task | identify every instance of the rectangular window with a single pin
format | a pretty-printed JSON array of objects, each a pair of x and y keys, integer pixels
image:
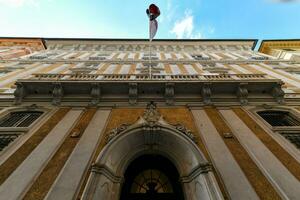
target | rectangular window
[
  {"x": 201, "y": 57},
  {"x": 19, "y": 119},
  {"x": 279, "y": 118},
  {"x": 294, "y": 138},
  {"x": 6, "y": 139}
]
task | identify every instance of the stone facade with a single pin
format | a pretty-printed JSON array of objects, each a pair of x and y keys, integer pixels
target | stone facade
[{"x": 76, "y": 113}]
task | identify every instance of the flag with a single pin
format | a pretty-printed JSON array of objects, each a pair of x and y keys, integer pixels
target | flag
[
  {"x": 153, "y": 28},
  {"x": 153, "y": 12}
]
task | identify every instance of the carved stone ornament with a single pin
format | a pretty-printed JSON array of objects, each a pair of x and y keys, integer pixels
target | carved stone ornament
[
  {"x": 169, "y": 93},
  {"x": 206, "y": 93},
  {"x": 278, "y": 93},
  {"x": 186, "y": 131},
  {"x": 19, "y": 93},
  {"x": 150, "y": 121},
  {"x": 133, "y": 93},
  {"x": 95, "y": 93},
  {"x": 242, "y": 93},
  {"x": 57, "y": 93},
  {"x": 151, "y": 115},
  {"x": 116, "y": 131}
]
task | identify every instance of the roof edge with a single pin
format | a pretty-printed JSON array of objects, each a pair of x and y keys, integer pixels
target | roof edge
[
  {"x": 138, "y": 39},
  {"x": 275, "y": 40}
]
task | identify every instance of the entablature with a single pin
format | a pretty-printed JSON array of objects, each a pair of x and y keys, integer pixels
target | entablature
[
  {"x": 130, "y": 61},
  {"x": 238, "y": 88},
  {"x": 142, "y": 44}
]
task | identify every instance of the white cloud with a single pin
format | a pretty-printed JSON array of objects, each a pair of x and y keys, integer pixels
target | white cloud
[{"x": 184, "y": 28}]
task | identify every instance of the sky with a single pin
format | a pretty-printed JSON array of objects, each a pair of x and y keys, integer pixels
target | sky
[{"x": 188, "y": 19}]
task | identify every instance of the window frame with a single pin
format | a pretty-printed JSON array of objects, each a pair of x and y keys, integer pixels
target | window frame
[
  {"x": 276, "y": 132},
  {"x": 21, "y": 120},
  {"x": 280, "y": 128},
  {"x": 22, "y": 131}
]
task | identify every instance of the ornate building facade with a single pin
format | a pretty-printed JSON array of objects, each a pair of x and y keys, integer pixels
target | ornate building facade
[{"x": 112, "y": 119}]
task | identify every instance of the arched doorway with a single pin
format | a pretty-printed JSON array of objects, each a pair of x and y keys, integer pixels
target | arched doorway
[
  {"x": 151, "y": 177},
  {"x": 151, "y": 145}
]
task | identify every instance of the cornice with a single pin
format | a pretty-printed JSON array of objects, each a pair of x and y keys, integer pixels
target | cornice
[
  {"x": 208, "y": 89},
  {"x": 267, "y": 45},
  {"x": 131, "y": 61},
  {"x": 34, "y": 43}
]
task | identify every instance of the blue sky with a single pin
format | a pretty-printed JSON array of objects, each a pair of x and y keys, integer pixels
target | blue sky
[{"x": 199, "y": 19}]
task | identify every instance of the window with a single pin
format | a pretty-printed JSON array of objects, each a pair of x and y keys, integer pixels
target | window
[
  {"x": 151, "y": 177},
  {"x": 201, "y": 57},
  {"x": 294, "y": 138},
  {"x": 279, "y": 118},
  {"x": 6, "y": 139},
  {"x": 259, "y": 58},
  {"x": 151, "y": 181},
  {"x": 38, "y": 57},
  {"x": 147, "y": 56},
  {"x": 20, "y": 119},
  {"x": 97, "y": 58}
]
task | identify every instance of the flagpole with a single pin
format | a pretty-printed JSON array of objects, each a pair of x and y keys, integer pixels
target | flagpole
[
  {"x": 153, "y": 12},
  {"x": 150, "y": 69}
]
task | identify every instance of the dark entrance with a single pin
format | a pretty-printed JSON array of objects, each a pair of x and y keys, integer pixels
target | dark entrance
[{"x": 151, "y": 177}]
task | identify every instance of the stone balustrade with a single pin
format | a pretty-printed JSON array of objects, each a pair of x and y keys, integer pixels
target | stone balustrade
[{"x": 145, "y": 77}]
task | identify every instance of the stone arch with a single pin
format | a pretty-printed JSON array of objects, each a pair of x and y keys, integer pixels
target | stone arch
[{"x": 151, "y": 136}]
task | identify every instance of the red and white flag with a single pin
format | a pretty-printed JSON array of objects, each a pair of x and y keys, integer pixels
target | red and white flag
[{"x": 153, "y": 12}]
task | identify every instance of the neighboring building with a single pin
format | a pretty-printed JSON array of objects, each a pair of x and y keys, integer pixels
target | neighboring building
[
  {"x": 98, "y": 119},
  {"x": 284, "y": 50},
  {"x": 281, "y": 49},
  {"x": 14, "y": 48}
]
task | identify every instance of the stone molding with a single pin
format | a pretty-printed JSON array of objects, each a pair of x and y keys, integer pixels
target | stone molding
[
  {"x": 102, "y": 169},
  {"x": 202, "y": 168}
]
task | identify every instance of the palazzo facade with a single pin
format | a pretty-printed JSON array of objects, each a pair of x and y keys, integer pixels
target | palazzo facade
[{"x": 123, "y": 119}]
